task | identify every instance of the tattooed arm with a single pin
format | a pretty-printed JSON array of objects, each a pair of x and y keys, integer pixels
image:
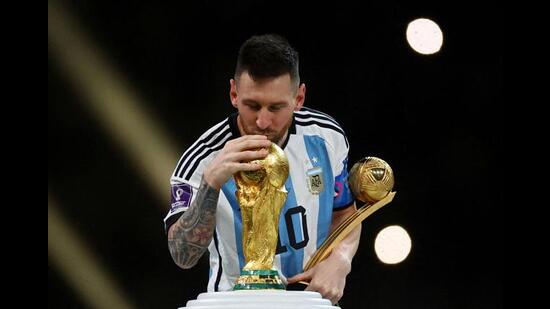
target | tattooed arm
[{"x": 189, "y": 237}]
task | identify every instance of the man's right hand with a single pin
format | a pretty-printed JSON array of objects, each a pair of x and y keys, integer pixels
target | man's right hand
[{"x": 234, "y": 157}]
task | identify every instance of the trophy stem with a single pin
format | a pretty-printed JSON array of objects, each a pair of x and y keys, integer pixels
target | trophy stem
[{"x": 344, "y": 229}]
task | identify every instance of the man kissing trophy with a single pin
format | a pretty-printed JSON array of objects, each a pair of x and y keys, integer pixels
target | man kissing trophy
[{"x": 261, "y": 195}]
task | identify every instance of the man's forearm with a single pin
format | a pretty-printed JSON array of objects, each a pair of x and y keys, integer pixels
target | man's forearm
[
  {"x": 189, "y": 237},
  {"x": 347, "y": 248}
]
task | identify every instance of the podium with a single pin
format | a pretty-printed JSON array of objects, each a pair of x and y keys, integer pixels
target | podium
[{"x": 261, "y": 299}]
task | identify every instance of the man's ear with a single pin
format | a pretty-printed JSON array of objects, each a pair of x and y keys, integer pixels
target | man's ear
[
  {"x": 233, "y": 92},
  {"x": 300, "y": 97}
]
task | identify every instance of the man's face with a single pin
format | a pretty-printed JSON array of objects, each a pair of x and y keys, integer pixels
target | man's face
[{"x": 266, "y": 106}]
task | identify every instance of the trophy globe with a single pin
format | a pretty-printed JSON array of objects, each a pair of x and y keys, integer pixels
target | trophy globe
[{"x": 371, "y": 179}]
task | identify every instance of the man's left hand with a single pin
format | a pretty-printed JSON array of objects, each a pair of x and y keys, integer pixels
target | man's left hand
[{"x": 328, "y": 277}]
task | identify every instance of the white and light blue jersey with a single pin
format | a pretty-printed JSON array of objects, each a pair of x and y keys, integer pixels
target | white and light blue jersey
[{"x": 317, "y": 151}]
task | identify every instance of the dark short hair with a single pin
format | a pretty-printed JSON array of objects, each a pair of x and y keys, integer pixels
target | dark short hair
[{"x": 268, "y": 55}]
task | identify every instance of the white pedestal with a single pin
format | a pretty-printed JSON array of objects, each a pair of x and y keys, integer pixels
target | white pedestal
[{"x": 262, "y": 299}]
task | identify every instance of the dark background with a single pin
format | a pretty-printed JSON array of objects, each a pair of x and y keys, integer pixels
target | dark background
[{"x": 431, "y": 117}]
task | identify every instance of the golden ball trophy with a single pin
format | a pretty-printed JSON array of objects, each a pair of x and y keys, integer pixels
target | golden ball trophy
[
  {"x": 371, "y": 181},
  {"x": 261, "y": 195}
]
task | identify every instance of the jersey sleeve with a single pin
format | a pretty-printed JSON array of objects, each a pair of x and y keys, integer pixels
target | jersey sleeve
[
  {"x": 343, "y": 197},
  {"x": 186, "y": 178},
  {"x": 181, "y": 196}
]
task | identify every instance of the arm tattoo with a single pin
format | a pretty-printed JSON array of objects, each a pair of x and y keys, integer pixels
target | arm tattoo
[{"x": 189, "y": 237}]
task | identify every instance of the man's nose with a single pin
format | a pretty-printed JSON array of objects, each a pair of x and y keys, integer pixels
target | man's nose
[{"x": 264, "y": 119}]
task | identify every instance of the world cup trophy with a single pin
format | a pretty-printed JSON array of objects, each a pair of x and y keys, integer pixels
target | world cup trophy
[
  {"x": 261, "y": 195},
  {"x": 371, "y": 181}
]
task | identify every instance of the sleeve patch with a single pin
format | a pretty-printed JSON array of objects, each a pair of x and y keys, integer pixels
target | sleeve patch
[{"x": 180, "y": 197}]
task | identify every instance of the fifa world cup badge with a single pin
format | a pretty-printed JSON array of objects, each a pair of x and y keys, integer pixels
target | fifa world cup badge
[{"x": 315, "y": 180}]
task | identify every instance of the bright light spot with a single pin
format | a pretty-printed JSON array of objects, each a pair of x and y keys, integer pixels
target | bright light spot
[
  {"x": 424, "y": 36},
  {"x": 392, "y": 244}
]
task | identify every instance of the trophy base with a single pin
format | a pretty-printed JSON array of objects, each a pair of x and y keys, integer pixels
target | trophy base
[
  {"x": 264, "y": 299},
  {"x": 264, "y": 279}
]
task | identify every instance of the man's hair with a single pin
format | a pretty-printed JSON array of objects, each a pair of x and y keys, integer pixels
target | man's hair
[{"x": 266, "y": 56}]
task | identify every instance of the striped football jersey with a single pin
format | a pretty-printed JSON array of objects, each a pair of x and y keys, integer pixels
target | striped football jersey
[{"x": 317, "y": 151}]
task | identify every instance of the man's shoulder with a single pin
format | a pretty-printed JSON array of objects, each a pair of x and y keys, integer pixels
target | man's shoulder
[
  {"x": 220, "y": 128},
  {"x": 204, "y": 147},
  {"x": 311, "y": 121},
  {"x": 221, "y": 132},
  {"x": 308, "y": 112}
]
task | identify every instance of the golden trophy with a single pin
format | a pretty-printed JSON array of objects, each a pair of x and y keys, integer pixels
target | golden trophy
[
  {"x": 261, "y": 195},
  {"x": 371, "y": 181}
]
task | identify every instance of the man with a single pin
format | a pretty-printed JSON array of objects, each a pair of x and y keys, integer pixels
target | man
[{"x": 267, "y": 93}]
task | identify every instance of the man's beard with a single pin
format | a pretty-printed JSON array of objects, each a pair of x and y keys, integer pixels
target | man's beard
[{"x": 273, "y": 136}]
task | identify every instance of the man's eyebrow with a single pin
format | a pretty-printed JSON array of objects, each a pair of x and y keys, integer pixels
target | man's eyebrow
[{"x": 277, "y": 104}]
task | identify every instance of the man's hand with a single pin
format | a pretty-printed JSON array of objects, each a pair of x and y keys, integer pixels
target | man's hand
[
  {"x": 234, "y": 157},
  {"x": 328, "y": 277}
]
